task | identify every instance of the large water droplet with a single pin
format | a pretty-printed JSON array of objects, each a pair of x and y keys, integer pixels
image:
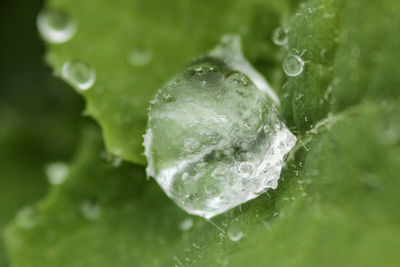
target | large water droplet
[
  {"x": 55, "y": 26},
  {"x": 280, "y": 36},
  {"x": 293, "y": 65},
  {"x": 79, "y": 74},
  {"x": 27, "y": 218},
  {"x": 90, "y": 209},
  {"x": 139, "y": 56},
  {"x": 56, "y": 172},
  {"x": 208, "y": 150}
]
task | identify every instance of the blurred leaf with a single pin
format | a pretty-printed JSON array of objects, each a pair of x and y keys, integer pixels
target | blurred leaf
[{"x": 39, "y": 114}]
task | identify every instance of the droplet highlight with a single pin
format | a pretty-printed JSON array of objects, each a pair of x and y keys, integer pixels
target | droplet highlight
[
  {"x": 293, "y": 65},
  {"x": 55, "y": 26},
  {"x": 56, "y": 172},
  {"x": 79, "y": 74}
]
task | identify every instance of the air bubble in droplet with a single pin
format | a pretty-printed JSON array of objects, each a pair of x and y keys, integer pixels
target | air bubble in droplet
[
  {"x": 234, "y": 233},
  {"x": 27, "y": 218},
  {"x": 56, "y": 172},
  {"x": 55, "y": 26},
  {"x": 293, "y": 65},
  {"x": 90, "y": 209},
  {"x": 186, "y": 224},
  {"x": 79, "y": 74},
  {"x": 139, "y": 56},
  {"x": 280, "y": 36},
  {"x": 245, "y": 169}
]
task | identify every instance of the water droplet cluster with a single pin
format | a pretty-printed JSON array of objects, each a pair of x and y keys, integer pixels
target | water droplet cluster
[
  {"x": 57, "y": 27},
  {"x": 215, "y": 146}
]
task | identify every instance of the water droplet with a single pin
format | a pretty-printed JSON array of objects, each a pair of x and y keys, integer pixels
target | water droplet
[
  {"x": 293, "y": 65},
  {"x": 90, "y": 209},
  {"x": 234, "y": 233},
  {"x": 201, "y": 149},
  {"x": 27, "y": 218},
  {"x": 186, "y": 224},
  {"x": 55, "y": 26},
  {"x": 139, "y": 56},
  {"x": 79, "y": 74},
  {"x": 280, "y": 36},
  {"x": 56, "y": 172}
]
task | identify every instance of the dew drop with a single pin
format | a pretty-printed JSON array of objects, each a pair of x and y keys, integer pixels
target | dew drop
[
  {"x": 293, "y": 65},
  {"x": 139, "y": 56},
  {"x": 55, "y": 26},
  {"x": 234, "y": 233},
  {"x": 280, "y": 36},
  {"x": 90, "y": 209},
  {"x": 202, "y": 149},
  {"x": 56, "y": 172},
  {"x": 79, "y": 74},
  {"x": 186, "y": 224},
  {"x": 27, "y": 218}
]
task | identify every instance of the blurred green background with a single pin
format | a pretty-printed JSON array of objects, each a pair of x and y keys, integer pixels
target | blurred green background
[{"x": 39, "y": 113}]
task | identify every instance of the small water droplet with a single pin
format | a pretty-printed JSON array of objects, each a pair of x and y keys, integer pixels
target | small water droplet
[
  {"x": 90, "y": 210},
  {"x": 27, "y": 218},
  {"x": 139, "y": 56},
  {"x": 55, "y": 26},
  {"x": 186, "y": 224},
  {"x": 280, "y": 36},
  {"x": 293, "y": 65},
  {"x": 234, "y": 233},
  {"x": 56, "y": 172},
  {"x": 198, "y": 69},
  {"x": 79, "y": 74}
]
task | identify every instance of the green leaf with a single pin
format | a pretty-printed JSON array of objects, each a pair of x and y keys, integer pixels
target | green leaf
[
  {"x": 174, "y": 32},
  {"x": 337, "y": 200},
  {"x": 316, "y": 215}
]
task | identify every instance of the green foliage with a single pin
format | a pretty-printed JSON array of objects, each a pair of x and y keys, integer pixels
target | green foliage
[{"x": 337, "y": 200}]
